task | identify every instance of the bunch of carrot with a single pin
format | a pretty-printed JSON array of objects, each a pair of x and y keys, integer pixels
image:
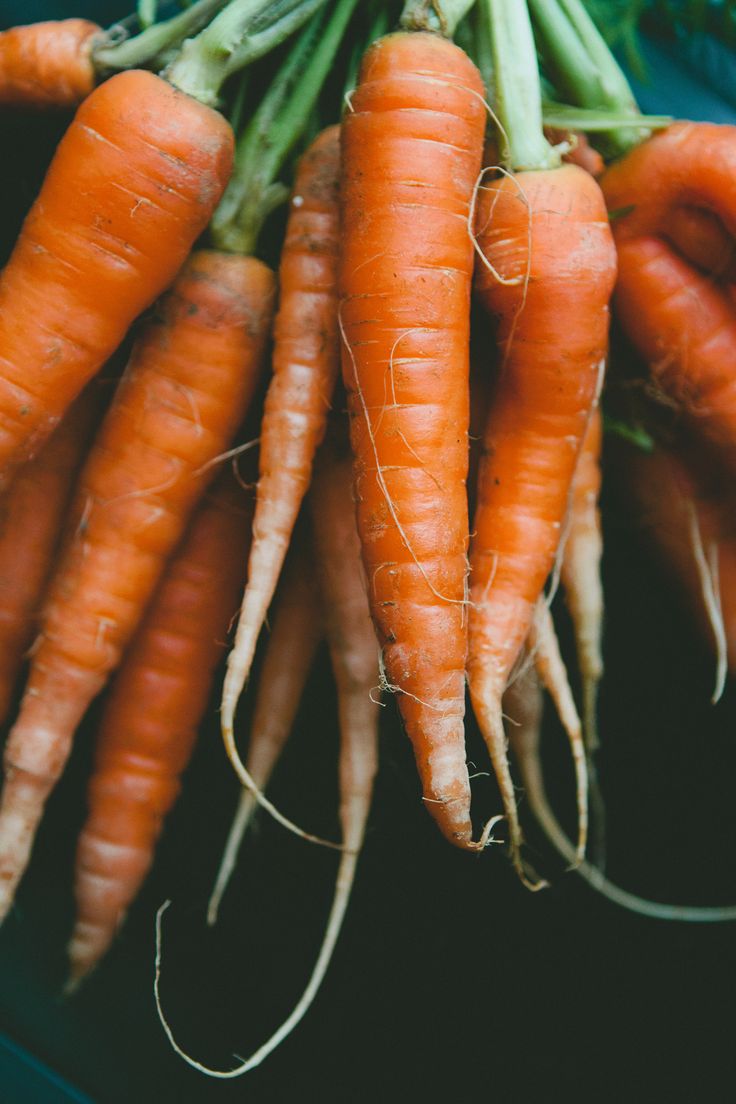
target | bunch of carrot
[{"x": 125, "y": 536}]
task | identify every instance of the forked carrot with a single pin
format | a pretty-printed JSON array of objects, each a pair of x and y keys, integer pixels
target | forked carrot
[
  {"x": 32, "y": 515},
  {"x": 292, "y": 643},
  {"x": 412, "y": 143},
  {"x": 191, "y": 378},
  {"x": 149, "y": 725},
  {"x": 354, "y": 653},
  {"x": 47, "y": 64}
]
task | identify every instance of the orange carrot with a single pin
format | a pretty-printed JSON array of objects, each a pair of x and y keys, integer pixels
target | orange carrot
[
  {"x": 187, "y": 388},
  {"x": 47, "y": 64},
  {"x": 547, "y": 274},
  {"x": 31, "y": 518},
  {"x": 412, "y": 145},
  {"x": 305, "y": 364},
  {"x": 149, "y": 726},
  {"x": 292, "y": 644},
  {"x": 132, "y": 185},
  {"x": 681, "y": 319}
]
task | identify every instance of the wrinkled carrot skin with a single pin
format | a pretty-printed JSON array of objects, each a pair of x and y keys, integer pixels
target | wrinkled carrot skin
[
  {"x": 132, "y": 185},
  {"x": 412, "y": 147},
  {"x": 149, "y": 725},
  {"x": 305, "y": 367},
  {"x": 32, "y": 515},
  {"x": 187, "y": 388},
  {"x": 47, "y": 65},
  {"x": 681, "y": 320},
  {"x": 548, "y": 232}
]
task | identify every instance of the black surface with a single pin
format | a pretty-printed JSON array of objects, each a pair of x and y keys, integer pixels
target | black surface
[{"x": 450, "y": 981}]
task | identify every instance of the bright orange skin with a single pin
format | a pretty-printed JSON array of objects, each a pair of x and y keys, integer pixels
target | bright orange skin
[
  {"x": 47, "y": 64},
  {"x": 681, "y": 320},
  {"x": 412, "y": 147},
  {"x": 32, "y": 514},
  {"x": 186, "y": 390},
  {"x": 149, "y": 726},
  {"x": 131, "y": 187},
  {"x": 305, "y": 365},
  {"x": 553, "y": 334}
]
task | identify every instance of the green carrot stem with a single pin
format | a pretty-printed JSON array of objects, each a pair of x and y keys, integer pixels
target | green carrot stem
[
  {"x": 576, "y": 74},
  {"x": 147, "y": 12},
  {"x": 144, "y": 48},
  {"x": 376, "y": 29},
  {"x": 277, "y": 125},
  {"x": 483, "y": 51},
  {"x": 517, "y": 88},
  {"x": 435, "y": 15}
]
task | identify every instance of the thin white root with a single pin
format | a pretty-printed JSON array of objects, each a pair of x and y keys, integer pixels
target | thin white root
[
  {"x": 551, "y": 668},
  {"x": 238, "y": 828},
  {"x": 707, "y": 567}
]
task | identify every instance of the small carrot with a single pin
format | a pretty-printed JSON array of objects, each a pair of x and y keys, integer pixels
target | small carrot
[
  {"x": 132, "y": 185},
  {"x": 32, "y": 513},
  {"x": 354, "y": 654},
  {"x": 547, "y": 271},
  {"x": 47, "y": 64},
  {"x": 149, "y": 725},
  {"x": 305, "y": 366},
  {"x": 292, "y": 643},
  {"x": 186, "y": 390},
  {"x": 412, "y": 144}
]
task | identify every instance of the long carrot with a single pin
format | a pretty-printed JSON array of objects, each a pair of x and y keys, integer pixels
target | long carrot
[
  {"x": 412, "y": 144},
  {"x": 354, "y": 653},
  {"x": 547, "y": 274},
  {"x": 132, "y": 185},
  {"x": 32, "y": 513},
  {"x": 47, "y": 64},
  {"x": 149, "y": 725},
  {"x": 190, "y": 381},
  {"x": 292, "y": 643},
  {"x": 305, "y": 365}
]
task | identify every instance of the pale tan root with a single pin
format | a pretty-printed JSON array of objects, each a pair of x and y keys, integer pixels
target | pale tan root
[
  {"x": 551, "y": 669},
  {"x": 707, "y": 568},
  {"x": 523, "y": 703}
]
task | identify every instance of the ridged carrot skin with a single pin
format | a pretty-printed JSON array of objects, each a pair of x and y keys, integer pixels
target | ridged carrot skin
[
  {"x": 131, "y": 187},
  {"x": 546, "y": 234},
  {"x": 47, "y": 65},
  {"x": 32, "y": 515},
  {"x": 305, "y": 365},
  {"x": 185, "y": 392},
  {"x": 412, "y": 148},
  {"x": 149, "y": 725},
  {"x": 681, "y": 319}
]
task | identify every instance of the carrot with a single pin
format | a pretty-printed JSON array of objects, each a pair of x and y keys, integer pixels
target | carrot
[
  {"x": 354, "y": 654},
  {"x": 187, "y": 388},
  {"x": 31, "y": 519},
  {"x": 292, "y": 644},
  {"x": 149, "y": 725},
  {"x": 412, "y": 145},
  {"x": 47, "y": 64},
  {"x": 681, "y": 320},
  {"x": 131, "y": 186},
  {"x": 305, "y": 365},
  {"x": 523, "y": 705},
  {"x": 580, "y": 572},
  {"x": 547, "y": 274}
]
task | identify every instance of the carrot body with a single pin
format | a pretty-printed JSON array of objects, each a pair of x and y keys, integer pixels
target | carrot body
[
  {"x": 31, "y": 519},
  {"x": 292, "y": 643},
  {"x": 412, "y": 147},
  {"x": 132, "y": 185},
  {"x": 305, "y": 365},
  {"x": 47, "y": 64},
  {"x": 681, "y": 319},
  {"x": 547, "y": 235},
  {"x": 185, "y": 392},
  {"x": 150, "y": 722}
]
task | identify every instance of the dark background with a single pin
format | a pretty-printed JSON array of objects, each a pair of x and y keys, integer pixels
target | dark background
[{"x": 450, "y": 981}]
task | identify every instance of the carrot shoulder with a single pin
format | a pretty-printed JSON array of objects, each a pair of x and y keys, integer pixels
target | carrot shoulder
[
  {"x": 150, "y": 722},
  {"x": 47, "y": 64},
  {"x": 190, "y": 381},
  {"x": 132, "y": 185},
  {"x": 412, "y": 145}
]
